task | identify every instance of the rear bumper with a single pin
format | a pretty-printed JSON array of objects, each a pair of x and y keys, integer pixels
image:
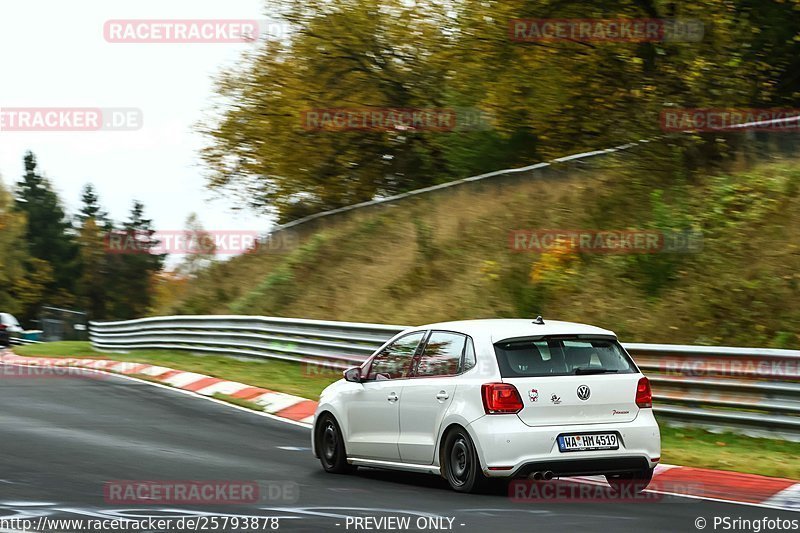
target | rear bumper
[
  {"x": 509, "y": 448},
  {"x": 586, "y": 466}
]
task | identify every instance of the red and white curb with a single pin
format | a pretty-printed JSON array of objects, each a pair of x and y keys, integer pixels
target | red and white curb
[
  {"x": 275, "y": 403},
  {"x": 720, "y": 485},
  {"x": 698, "y": 483}
]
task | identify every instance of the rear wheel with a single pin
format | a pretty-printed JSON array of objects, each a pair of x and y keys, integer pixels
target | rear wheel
[
  {"x": 631, "y": 482},
  {"x": 460, "y": 465},
  {"x": 330, "y": 446}
]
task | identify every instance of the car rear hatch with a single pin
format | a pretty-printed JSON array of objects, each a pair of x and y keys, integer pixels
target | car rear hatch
[{"x": 570, "y": 380}]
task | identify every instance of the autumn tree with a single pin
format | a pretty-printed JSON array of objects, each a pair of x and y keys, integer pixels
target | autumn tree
[
  {"x": 546, "y": 98},
  {"x": 201, "y": 249}
]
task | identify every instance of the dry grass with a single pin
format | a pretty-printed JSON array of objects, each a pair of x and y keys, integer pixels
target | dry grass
[{"x": 446, "y": 256}]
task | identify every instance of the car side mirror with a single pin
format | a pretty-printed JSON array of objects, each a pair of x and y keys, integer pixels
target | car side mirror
[{"x": 353, "y": 374}]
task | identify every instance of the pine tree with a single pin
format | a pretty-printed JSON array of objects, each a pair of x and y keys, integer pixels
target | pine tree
[
  {"x": 92, "y": 286},
  {"x": 132, "y": 272},
  {"x": 90, "y": 206},
  {"x": 49, "y": 235}
]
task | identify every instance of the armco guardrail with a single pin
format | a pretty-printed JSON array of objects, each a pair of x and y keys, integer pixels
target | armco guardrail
[
  {"x": 336, "y": 344},
  {"x": 21, "y": 342},
  {"x": 536, "y": 170},
  {"x": 747, "y": 389}
]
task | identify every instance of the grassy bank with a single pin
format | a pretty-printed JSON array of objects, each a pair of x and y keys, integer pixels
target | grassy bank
[
  {"x": 683, "y": 446},
  {"x": 447, "y": 256}
]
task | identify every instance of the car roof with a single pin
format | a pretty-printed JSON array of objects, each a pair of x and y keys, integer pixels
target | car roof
[{"x": 499, "y": 329}]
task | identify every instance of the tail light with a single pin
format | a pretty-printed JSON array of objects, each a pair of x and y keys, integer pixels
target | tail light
[
  {"x": 501, "y": 398},
  {"x": 644, "y": 396},
  {"x": 2, "y": 327}
]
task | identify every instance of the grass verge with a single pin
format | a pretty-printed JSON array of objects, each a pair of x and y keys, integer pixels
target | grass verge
[
  {"x": 726, "y": 451},
  {"x": 682, "y": 446},
  {"x": 240, "y": 402}
]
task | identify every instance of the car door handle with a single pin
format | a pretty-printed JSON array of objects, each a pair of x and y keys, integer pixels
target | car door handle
[
  {"x": 442, "y": 395},
  {"x": 393, "y": 397}
]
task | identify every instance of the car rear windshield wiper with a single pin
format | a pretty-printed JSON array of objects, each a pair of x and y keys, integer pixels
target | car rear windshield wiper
[{"x": 594, "y": 370}]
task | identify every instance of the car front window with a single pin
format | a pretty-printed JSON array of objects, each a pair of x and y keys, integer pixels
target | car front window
[
  {"x": 394, "y": 361},
  {"x": 442, "y": 354}
]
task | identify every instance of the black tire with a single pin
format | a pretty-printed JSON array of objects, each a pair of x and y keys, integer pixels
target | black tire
[
  {"x": 630, "y": 483},
  {"x": 460, "y": 465},
  {"x": 330, "y": 446}
]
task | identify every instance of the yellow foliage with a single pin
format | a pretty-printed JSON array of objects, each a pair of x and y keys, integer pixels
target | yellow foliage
[{"x": 554, "y": 262}]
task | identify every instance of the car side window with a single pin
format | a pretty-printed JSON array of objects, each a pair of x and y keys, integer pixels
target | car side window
[
  {"x": 442, "y": 354},
  {"x": 394, "y": 361},
  {"x": 469, "y": 356}
]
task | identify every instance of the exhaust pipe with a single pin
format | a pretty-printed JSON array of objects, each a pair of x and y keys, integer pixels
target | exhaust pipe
[
  {"x": 547, "y": 475},
  {"x": 538, "y": 476}
]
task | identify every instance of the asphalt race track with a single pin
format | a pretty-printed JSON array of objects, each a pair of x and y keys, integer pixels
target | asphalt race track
[{"x": 65, "y": 436}]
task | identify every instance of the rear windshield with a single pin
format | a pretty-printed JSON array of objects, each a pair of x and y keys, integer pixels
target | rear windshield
[{"x": 562, "y": 357}]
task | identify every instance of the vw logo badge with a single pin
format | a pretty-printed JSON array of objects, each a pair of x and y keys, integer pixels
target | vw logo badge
[{"x": 584, "y": 392}]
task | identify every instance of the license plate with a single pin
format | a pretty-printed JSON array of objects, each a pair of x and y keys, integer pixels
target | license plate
[{"x": 593, "y": 441}]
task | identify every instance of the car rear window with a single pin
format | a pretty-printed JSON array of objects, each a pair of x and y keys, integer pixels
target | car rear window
[{"x": 562, "y": 357}]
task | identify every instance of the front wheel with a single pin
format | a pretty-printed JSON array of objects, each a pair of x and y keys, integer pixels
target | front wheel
[
  {"x": 460, "y": 465},
  {"x": 330, "y": 446},
  {"x": 630, "y": 483}
]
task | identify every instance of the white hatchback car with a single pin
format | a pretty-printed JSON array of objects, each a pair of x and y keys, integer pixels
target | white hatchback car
[{"x": 481, "y": 399}]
